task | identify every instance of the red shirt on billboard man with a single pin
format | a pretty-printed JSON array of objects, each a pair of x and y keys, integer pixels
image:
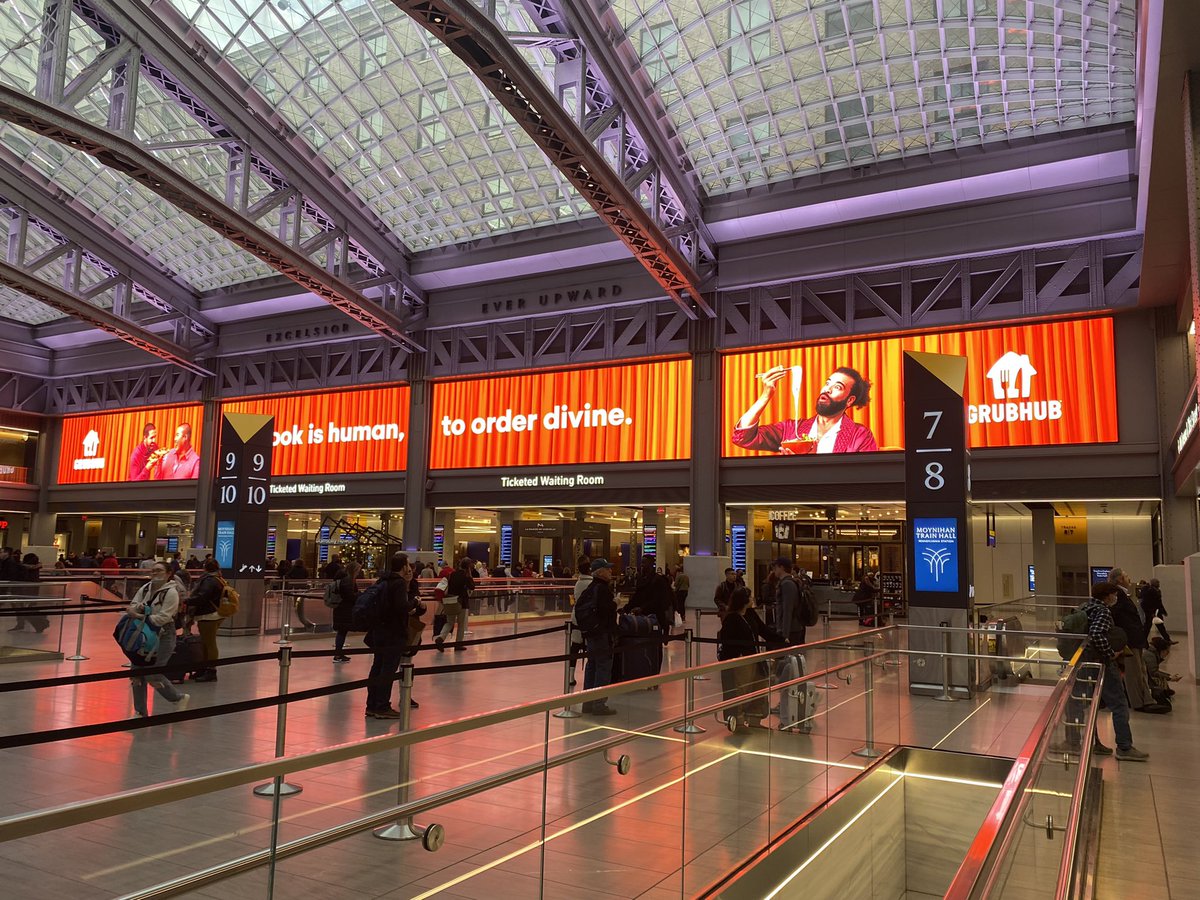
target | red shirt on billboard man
[
  {"x": 143, "y": 462},
  {"x": 182, "y": 461},
  {"x": 831, "y": 430}
]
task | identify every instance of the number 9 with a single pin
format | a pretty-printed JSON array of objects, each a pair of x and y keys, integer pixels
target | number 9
[
  {"x": 259, "y": 462},
  {"x": 230, "y": 460}
]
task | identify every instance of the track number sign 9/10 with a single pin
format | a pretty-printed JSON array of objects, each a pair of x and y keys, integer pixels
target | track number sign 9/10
[{"x": 243, "y": 489}]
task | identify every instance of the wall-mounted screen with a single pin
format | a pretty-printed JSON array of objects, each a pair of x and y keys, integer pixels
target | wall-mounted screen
[
  {"x": 628, "y": 413},
  {"x": 1047, "y": 384},
  {"x": 336, "y": 433},
  {"x": 161, "y": 444}
]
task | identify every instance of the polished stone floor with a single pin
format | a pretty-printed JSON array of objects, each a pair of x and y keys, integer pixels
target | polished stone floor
[{"x": 687, "y": 811}]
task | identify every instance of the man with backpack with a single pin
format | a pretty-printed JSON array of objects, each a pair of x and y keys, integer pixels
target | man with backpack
[
  {"x": 384, "y": 611},
  {"x": 797, "y": 608},
  {"x": 596, "y": 615}
]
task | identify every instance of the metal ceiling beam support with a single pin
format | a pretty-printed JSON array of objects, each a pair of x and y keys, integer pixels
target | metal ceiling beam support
[
  {"x": 68, "y": 222},
  {"x": 481, "y": 44},
  {"x": 143, "y": 167},
  {"x": 611, "y": 70},
  {"x": 73, "y": 305},
  {"x": 162, "y": 47}
]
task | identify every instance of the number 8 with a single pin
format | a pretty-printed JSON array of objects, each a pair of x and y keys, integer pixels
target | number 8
[{"x": 934, "y": 481}]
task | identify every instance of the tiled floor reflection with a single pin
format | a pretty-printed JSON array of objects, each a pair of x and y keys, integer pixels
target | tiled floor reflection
[{"x": 688, "y": 810}]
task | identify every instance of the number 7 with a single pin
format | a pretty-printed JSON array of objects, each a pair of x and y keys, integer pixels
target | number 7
[{"x": 937, "y": 418}]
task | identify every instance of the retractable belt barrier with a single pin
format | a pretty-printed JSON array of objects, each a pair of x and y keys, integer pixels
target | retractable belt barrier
[{"x": 83, "y": 731}]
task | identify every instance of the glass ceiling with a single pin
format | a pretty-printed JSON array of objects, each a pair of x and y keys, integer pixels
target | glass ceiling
[
  {"x": 766, "y": 90},
  {"x": 757, "y": 92},
  {"x": 395, "y": 113}
]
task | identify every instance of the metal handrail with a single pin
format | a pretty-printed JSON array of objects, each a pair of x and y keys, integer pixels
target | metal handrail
[
  {"x": 41, "y": 821},
  {"x": 1066, "y": 870},
  {"x": 335, "y": 833},
  {"x": 1001, "y": 815}
]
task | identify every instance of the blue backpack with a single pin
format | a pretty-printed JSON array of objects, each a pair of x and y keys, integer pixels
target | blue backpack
[
  {"x": 369, "y": 607},
  {"x": 137, "y": 638}
]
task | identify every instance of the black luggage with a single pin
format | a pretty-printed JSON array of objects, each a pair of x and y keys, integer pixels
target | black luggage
[
  {"x": 639, "y": 648},
  {"x": 189, "y": 651}
]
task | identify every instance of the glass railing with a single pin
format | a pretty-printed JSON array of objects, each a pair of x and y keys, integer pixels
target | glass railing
[
  {"x": 32, "y": 619},
  {"x": 1031, "y": 845},
  {"x": 696, "y": 772}
]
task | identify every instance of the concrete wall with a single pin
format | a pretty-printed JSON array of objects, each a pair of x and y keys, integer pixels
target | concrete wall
[{"x": 1124, "y": 541}]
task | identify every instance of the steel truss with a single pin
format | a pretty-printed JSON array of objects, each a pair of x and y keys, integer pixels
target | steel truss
[
  {"x": 151, "y": 386},
  {"x": 578, "y": 144},
  {"x": 24, "y": 393},
  {"x": 312, "y": 367},
  {"x": 598, "y": 335},
  {"x": 613, "y": 115},
  {"x": 1092, "y": 276},
  {"x": 90, "y": 262},
  {"x": 276, "y": 206}
]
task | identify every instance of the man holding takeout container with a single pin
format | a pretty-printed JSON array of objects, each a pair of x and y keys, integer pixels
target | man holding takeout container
[{"x": 831, "y": 430}]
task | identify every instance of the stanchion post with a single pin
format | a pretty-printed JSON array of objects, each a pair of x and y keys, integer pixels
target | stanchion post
[
  {"x": 868, "y": 750},
  {"x": 285, "y": 618},
  {"x": 568, "y": 712},
  {"x": 688, "y": 726},
  {"x": 693, "y": 656},
  {"x": 78, "y": 657},
  {"x": 403, "y": 828},
  {"x": 946, "y": 694},
  {"x": 277, "y": 787}
]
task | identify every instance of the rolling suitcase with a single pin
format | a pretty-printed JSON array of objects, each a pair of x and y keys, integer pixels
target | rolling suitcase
[
  {"x": 639, "y": 648},
  {"x": 797, "y": 703},
  {"x": 737, "y": 682},
  {"x": 189, "y": 651}
]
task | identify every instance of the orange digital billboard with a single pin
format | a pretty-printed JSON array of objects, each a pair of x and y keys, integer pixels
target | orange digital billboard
[
  {"x": 1027, "y": 385},
  {"x": 627, "y": 413},
  {"x": 360, "y": 430},
  {"x": 160, "y": 444}
]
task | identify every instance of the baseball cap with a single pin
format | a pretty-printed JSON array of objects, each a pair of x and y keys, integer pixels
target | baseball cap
[{"x": 601, "y": 563}]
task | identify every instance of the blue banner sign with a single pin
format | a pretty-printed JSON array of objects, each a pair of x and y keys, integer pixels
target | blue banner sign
[
  {"x": 223, "y": 551},
  {"x": 935, "y": 554}
]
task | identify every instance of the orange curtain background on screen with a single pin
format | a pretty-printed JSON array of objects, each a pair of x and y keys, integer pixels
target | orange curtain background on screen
[
  {"x": 319, "y": 439},
  {"x": 1073, "y": 361},
  {"x": 655, "y": 398},
  {"x": 118, "y": 434}
]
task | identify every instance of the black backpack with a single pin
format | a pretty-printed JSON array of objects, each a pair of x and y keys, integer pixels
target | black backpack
[
  {"x": 587, "y": 610},
  {"x": 369, "y": 607},
  {"x": 806, "y": 609}
]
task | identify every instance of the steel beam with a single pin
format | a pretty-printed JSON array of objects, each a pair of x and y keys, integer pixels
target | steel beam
[
  {"x": 132, "y": 161},
  {"x": 25, "y": 190},
  {"x": 480, "y": 43},
  {"x": 172, "y": 54},
  {"x": 611, "y": 69},
  {"x": 72, "y": 305}
]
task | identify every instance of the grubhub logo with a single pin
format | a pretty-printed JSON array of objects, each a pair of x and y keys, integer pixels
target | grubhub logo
[
  {"x": 1011, "y": 378},
  {"x": 91, "y": 446}
]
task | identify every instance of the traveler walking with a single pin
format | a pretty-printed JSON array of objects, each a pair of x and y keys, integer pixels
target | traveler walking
[
  {"x": 157, "y": 601},
  {"x": 456, "y": 605},
  {"x": 682, "y": 585},
  {"x": 343, "y": 613}
]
